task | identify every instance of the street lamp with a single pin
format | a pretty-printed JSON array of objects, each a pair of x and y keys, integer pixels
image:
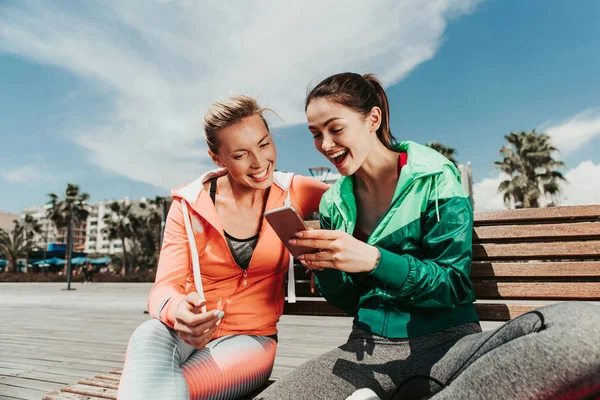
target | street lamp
[
  {"x": 319, "y": 173},
  {"x": 71, "y": 196},
  {"x": 70, "y": 237}
]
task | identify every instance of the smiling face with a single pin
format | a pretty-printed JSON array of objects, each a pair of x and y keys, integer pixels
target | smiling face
[
  {"x": 247, "y": 151},
  {"x": 341, "y": 134}
]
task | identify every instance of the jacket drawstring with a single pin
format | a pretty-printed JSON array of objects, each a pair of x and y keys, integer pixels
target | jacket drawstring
[
  {"x": 193, "y": 251},
  {"x": 291, "y": 286},
  {"x": 437, "y": 195}
]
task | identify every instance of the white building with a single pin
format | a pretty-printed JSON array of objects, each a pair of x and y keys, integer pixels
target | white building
[
  {"x": 96, "y": 241},
  {"x": 89, "y": 237}
]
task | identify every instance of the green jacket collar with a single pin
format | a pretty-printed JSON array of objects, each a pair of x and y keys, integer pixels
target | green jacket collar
[{"x": 422, "y": 162}]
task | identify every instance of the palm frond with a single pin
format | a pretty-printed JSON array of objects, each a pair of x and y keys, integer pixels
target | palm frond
[{"x": 528, "y": 159}]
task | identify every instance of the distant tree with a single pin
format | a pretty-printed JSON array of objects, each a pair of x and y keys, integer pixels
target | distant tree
[
  {"x": 156, "y": 219},
  {"x": 532, "y": 170},
  {"x": 121, "y": 224},
  {"x": 16, "y": 243},
  {"x": 447, "y": 152},
  {"x": 32, "y": 228}
]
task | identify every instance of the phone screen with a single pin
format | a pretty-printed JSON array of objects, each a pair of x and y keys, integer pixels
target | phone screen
[{"x": 286, "y": 221}]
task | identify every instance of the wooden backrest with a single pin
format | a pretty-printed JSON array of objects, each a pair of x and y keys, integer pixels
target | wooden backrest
[{"x": 521, "y": 259}]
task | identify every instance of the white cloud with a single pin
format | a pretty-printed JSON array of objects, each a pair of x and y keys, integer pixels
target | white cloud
[
  {"x": 583, "y": 185},
  {"x": 486, "y": 196},
  {"x": 27, "y": 174},
  {"x": 576, "y": 131},
  {"x": 160, "y": 64},
  {"x": 582, "y": 188}
]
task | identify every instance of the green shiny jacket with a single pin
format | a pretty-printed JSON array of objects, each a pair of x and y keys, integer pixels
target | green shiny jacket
[{"x": 421, "y": 283}]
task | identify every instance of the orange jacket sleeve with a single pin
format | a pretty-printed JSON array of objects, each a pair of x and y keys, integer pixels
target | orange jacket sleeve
[
  {"x": 306, "y": 194},
  {"x": 173, "y": 268}
]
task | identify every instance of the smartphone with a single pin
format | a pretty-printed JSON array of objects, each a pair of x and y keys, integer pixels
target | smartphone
[{"x": 286, "y": 221}]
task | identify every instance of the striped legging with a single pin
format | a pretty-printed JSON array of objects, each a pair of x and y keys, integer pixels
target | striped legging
[{"x": 159, "y": 365}]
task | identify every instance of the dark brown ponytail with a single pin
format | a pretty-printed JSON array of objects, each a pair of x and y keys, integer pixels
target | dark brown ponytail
[{"x": 359, "y": 93}]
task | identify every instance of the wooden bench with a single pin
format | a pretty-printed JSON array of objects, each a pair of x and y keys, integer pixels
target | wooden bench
[{"x": 522, "y": 260}]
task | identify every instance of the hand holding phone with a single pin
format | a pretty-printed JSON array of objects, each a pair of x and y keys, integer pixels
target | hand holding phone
[{"x": 286, "y": 221}]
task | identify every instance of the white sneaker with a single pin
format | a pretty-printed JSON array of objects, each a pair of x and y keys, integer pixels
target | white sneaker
[{"x": 363, "y": 394}]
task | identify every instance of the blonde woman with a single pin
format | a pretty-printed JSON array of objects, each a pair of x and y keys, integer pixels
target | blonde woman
[{"x": 219, "y": 287}]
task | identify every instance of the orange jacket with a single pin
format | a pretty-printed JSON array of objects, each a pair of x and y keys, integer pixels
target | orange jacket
[{"x": 252, "y": 299}]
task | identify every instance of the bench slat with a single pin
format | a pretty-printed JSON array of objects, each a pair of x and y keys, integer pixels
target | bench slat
[
  {"x": 556, "y": 231},
  {"x": 312, "y": 307},
  {"x": 566, "y": 213},
  {"x": 499, "y": 269},
  {"x": 487, "y": 289},
  {"x": 486, "y": 311},
  {"x": 109, "y": 377},
  {"x": 502, "y": 312},
  {"x": 567, "y": 231},
  {"x": 103, "y": 383},
  {"x": 538, "y": 214},
  {"x": 483, "y": 269},
  {"x": 536, "y": 250},
  {"x": 492, "y": 289},
  {"x": 103, "y": 393},
  {"x": 537, "y": 290}
]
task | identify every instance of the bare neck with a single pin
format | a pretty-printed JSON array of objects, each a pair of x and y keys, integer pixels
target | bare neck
[
  {"x": 378, "y": 170},
  {"x": 241, "y": 195}
]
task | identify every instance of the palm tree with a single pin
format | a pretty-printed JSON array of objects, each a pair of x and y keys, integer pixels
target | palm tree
[
  {"x": 121, "y": 224},
  {"x": 16, "y": 244},
  {"x": 532, "y": 171},
  {"x": 156, "y": 218},
  {"x": 144, "y": 246},
  {"x": 66, "y": 213},
  {"x": 447, "y": 152},
  {"x": 32, "y": 228}
]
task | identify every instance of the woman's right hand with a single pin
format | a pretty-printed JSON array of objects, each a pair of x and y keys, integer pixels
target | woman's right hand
[{"x": 194, "y": 326}]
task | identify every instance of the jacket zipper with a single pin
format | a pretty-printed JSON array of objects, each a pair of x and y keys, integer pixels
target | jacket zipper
[
  {"x": 243, "y": 281},
  {"x": 385, "y": 321}
]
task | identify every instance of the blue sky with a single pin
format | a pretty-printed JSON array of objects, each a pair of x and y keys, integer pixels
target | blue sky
[{"x": 109, "y": 96}]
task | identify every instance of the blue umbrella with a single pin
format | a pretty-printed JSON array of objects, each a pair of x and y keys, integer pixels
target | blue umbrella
[
  {"x": 50, "y": 261},
  {"x": 100, "y": 261},
  {"x": 79, "y": 260}
]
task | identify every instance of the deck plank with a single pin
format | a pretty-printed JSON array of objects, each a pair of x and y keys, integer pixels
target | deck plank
[
  {"x": 28, "y": 383},
  {"x": 16, "y": 392}
]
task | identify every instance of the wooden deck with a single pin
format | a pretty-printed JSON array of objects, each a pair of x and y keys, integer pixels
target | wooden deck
[{"x": 50, "y": 337}]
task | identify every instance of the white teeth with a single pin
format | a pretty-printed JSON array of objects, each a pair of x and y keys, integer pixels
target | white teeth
[
  {"x": 261, "y": 175},
  {"x": 339, "y": 153}
]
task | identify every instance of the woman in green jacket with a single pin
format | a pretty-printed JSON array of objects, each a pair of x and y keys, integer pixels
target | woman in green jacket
[{"x": 395, "y": 253}]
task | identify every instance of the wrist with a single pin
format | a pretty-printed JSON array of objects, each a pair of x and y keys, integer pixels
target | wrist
[{"x": 374, "y": 257}]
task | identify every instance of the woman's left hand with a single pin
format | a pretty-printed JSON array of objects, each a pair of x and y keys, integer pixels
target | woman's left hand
[{"x": 337, "y": 250}]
